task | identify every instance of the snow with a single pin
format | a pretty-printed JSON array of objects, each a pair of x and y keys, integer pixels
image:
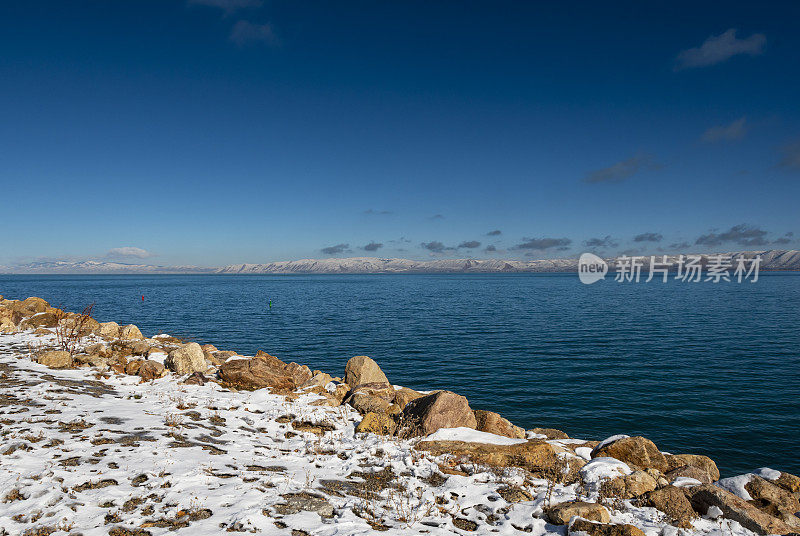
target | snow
[
  {"x": 609, "y": 440},
  {"x": 471, "y": 436},
  {"x": 766, "y": 472},
  {"x": 735, "y": 484},
  {"x": 685, "y": 482}
]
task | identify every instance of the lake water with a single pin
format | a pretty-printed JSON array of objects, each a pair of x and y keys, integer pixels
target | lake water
[{"x": 696, "y": 367}]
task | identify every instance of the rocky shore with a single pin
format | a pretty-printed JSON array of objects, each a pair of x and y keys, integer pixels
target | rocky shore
[{"x": 106, "y": 431}]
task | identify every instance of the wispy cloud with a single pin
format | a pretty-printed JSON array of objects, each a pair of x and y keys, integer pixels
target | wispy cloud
[
  {"x": 791, "y": 156},
  {"x": 246, "y": 33},
  {"x": 129, "y": 252},
  {"x": 605, "y": 242},
  {"x": 648, "y": 237},
  {"x": 335, "y": 250},
  {"x": 496, "y": 232},
  {"x": 469, "y": 244},
  {"x": 742, "y": 235},
  {"x": 436, "y": 217},
  {"x": 733, "y": 131},
  {"x": 622, "y": 170},
  {"x": 372, "y": 246},
  {"x": 542, "y": 244},
  {"x": 490, "y": 248},
  {"x": 373, "y": 212},
  {"x": 679, "y": 246},
  {"x": 719, "y": 48},
  {"x": 229, "y": 6}
]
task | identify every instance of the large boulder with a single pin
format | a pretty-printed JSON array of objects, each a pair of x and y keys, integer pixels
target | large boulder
[
  {"x": 187, "y": 359},
  {"x": 493, "y": 423},
  {"x": 774, "y": 500},
  {"x": 131, "y": 332},
  {"x": 57, "y": 359},
  {"x": 562, "y": 513},
  {"x": 638, "y": 452},
  {"x": 442, "y": 409},
  {"x": 108, "y": 330},
  {"x": 255, "y": 374},
  {"x": 582, "y": 527},
  {"x": 145, "y": 369},
  {"x": 676, "y": 461},
  {"x": 534, "y": 455},
  {"x": 365, "y": 403},
  {"x": 300, "y": 374},
  {"x": 47, "y": 319},
  {"x": 633, "y": 485},
  {"x": 362, "y": 369},
  {"x": 673, "y": 502},
  {"x": 732, "y": 507},
  {"x": 30, "y": 306}
]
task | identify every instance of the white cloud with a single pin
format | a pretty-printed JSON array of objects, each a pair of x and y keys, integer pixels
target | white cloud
[
  {"x": 719, "y": 48},
  {"x": 624, "y": 169},
  {"x": 245, "y": 32},
  {"x": 130, "y": 252},
  {"x": 734, "y": 131}
]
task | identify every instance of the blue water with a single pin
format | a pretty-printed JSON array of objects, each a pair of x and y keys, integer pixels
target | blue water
[{"x": 702, "y": 368}]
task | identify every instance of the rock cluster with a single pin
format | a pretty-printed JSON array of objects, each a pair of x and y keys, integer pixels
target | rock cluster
[{"x": 682, "y": 486}]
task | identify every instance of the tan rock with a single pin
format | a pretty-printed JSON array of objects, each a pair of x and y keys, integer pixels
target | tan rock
[
  {"x": 707, "y": 495},
  {"x": 108, "y": 330},
  {"x": 552, "y": 433},
  {"x": 31, "y": 306},
  {"x": 562, "y": 513},
  {"x": 493, "y": 423},
  {"x": 675, "y": 461},
  {"x": 580, "y": 526},
  {"x": 187, "y": 359},
  {"x": 789, "y": 482},
  {"x": 255, "y": 374},
  {"x": 442, "y": 409},
  {"x": 673, "y": 502},
  {"x": 150, "y": 370},
  {"x": 7, "y": 326},
  {"x": 40, "y": 320},
  {"x": 58, "y": 359},
  {"x": 365, "y": 403},
  {"x": 638, "y": 452},
  {"x": 404, "y": 395},
  {"x": 131, "y": 332},
  {"x": 376, "y": 423},
  {"x": 320, "y": 379},
  {"x": 633, "y": 485},
  {"x": 138, "y": 347},
  {"x": 300, "y": 374},
  {"x": 774, "y": 500},
  {"x": 362, "y": 369},
  {"x": 689, "y": 471},
  {"x": 534, "y": 455}
]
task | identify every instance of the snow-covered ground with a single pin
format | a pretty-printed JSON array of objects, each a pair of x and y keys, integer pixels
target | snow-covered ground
[{"x": 91, "y": 453}]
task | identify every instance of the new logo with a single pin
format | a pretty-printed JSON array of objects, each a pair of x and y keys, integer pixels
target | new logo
[{"x": 591, "y": 268}]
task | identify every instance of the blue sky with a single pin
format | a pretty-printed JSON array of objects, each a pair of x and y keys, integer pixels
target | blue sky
[{"x": 210, "y": 132}]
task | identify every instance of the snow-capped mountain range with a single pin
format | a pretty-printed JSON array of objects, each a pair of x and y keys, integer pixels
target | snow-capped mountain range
[{"x": 770, "y": 260}]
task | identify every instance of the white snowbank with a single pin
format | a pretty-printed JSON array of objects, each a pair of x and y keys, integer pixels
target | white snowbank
[
  {"x": 471, "y": 436},
  {"x": 735, "y": 484}
]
